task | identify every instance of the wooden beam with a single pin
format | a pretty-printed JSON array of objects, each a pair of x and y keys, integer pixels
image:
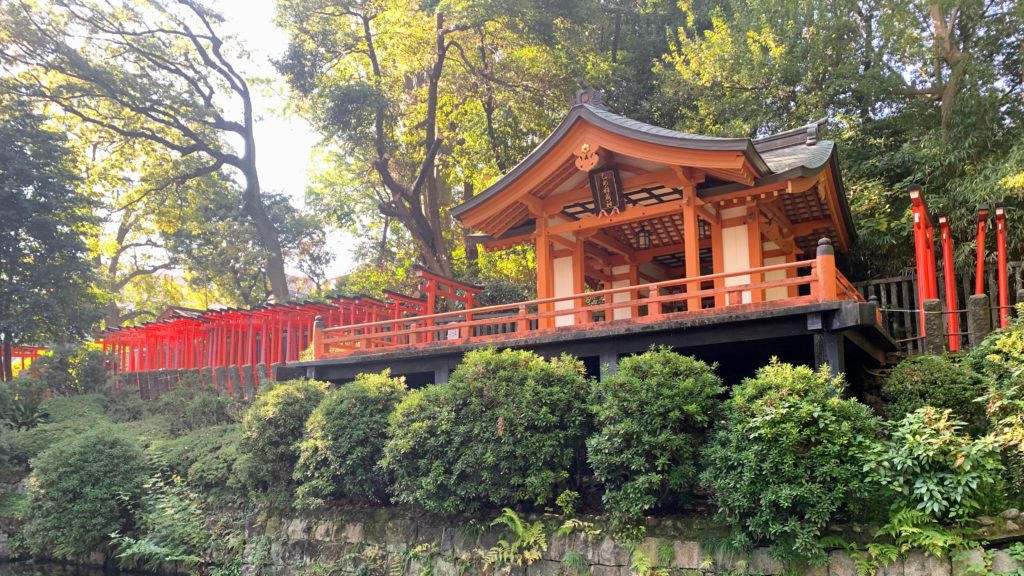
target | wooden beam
[
  {"x": 557, "y": 201},
  {"x": 631, "y": 214},
  {"x": 805, "y": 228},
  {"x": 770, "y": 190}
]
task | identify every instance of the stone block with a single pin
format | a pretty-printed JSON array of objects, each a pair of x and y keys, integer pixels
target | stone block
[
  {"x": 601, "y": 570},
  {"x": 687, "y": 554},
  {"x": 917, "y": 563},
  {"x": 234, "y": 381},
  {"x": 353, "y": 533},
  {"x": 443, "y": 567},
  {"x": 840, "y": 564},
  {"x": 934, "y": 339},
  {"x": 1002, "y": 563},
  {"x": 762, "y": 563},
  {"x": 544, "y": 568},
  {"x": 612, "y": 553},
  {"x": 968, "y": 562},
  {"x": 324, "y": 532},
  {"x": 297, "y": 529}
]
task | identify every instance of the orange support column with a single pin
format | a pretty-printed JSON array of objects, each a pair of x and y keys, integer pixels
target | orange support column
[
  {"x": 545, "y": 278},
  {"x": 579, "y": 280},
  {"x": 979, "y": 265},
  {"x": 691, "y": 244},
  {"x": 718, "y": 263},
  {"x": 825, "y": 262},
  {"x": 1004, "y": 287},
  {"x": 949, "y": 280},
  {"x": 924, "y": 254}
]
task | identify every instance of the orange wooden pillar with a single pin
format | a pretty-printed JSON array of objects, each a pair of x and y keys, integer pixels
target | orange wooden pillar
[
  {"x": 718, "y": 262},
  {"x": 691, "y": 244},
  {"x": 1004, "y": 287},
  {"x": 979, "y": 265},
  {"x": 579, "y": 280},
  {"x": 949, "y": 281},
  {"x": 545, "y": 274},
  {"x": 924, "y": 253}
]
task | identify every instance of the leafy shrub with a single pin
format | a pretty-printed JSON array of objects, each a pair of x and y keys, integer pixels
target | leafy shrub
[
  {"x": 345, "y": 439},
  {"x": 190, "y": 408},
  {"x": 782, "y": 463},
  {"x": 929, "y": 464},
  {"x": 936, "y": 381},
  {"x": 82, "y": 490},
  {"x": 25, "y": 394},
  {"x": 271, "y": 430},
  {"x": 507, "y": 429},
  {"x": 503, "y": 292},
  {"x": 205, "y": 457},
  {"x": 88, "y": 367},
  {"x": 650, "y": 416},
  {"x": 124, "y": 407},
  {"x": 1000, "y": 356},
  {"x": 66, "y": 408},
  {"x": 27, "y": 444}
]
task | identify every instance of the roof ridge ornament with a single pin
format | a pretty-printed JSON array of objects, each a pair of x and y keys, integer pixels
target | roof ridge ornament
[{"x": 591, "y": 97}]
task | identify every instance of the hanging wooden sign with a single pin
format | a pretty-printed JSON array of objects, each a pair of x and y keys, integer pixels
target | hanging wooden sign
[{"x": 606, "y": 187}]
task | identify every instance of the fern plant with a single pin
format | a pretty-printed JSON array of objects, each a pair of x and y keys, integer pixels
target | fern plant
[{"x": 522, "y": 544}]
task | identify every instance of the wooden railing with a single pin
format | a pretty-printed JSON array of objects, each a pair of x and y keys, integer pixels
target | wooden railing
[{"x": 800, "y": 283}]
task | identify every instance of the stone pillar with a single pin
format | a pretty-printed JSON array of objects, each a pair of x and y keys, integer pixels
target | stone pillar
[
  {"x": 206, "y": 377},
  {"x": 221, "y": 375},
  {"x": 608, "y": 364},
  {"x": 934, "y": 333},
  {"x": 979, "y": 318},
  {"x": 235, "y": 384},
  {"x": 262, "y": 375},
  {"x": 274, "y": 368},
  {"x": 829, "y": 348},
  {"x": 441, "y": 374},
  {"x": 144, "y": 385},
  {"x": 248, "y": 382}
]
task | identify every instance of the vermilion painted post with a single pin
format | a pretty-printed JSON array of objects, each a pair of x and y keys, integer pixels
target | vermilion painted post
[
  {"x": 826, "y": 268},
  {"x": 923, "y": 253},
  {"x": 949, "y": 279},
  {"x": 979, "y": 266},
  {"x": 318, "y": 338},
  {"x": 1004, "y": 296}
]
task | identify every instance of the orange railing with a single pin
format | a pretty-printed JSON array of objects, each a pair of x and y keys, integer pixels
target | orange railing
[{"x": 802, "y": 282}]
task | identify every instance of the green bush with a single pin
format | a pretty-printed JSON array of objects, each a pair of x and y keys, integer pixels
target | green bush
[
  {"x": 782, "y": 463},
  {"x": 929, "y": 464},
  {"x": 83, "y": 489},
  {"x": 650, "y": 417},
  {"x": 936, "y": 381},
  {"x": 124, "y": 407},
  {"x": 66, "y": 408},
  {"x": 204, "y": 458},
  {"x": 508, "y": 429},
  {"x": 345, "y": 439},
  {"x": 271, "y": 431},
  {"x": 25, "y": 394},
  {"x": 190, "y": 408},
  {"x": 27, "y": 444}
]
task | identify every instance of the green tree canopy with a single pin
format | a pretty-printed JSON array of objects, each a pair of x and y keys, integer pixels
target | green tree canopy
[{"x": 45, "y": 276}]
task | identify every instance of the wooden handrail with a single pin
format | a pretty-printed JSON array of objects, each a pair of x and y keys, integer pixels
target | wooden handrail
[
  {"x": 595, "y": 294},
  {"x": 534, "y": 316}
]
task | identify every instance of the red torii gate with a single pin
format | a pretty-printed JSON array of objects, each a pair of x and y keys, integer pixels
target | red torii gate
[{"x": 242, "y": 339}]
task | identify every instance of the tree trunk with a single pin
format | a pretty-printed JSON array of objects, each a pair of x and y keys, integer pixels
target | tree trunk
[
  {"x": 472, "y": 250},
  {"x": 8, "y": 353}
]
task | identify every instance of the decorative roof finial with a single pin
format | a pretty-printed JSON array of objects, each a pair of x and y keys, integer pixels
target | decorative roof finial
[{"x": 589, "y": 96}]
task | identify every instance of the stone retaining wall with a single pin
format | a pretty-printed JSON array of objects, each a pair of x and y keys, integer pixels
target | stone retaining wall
[{"x": 391, "y": 541}]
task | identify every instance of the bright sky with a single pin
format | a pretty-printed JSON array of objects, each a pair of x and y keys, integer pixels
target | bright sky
[{"x": 284, "y": 142}]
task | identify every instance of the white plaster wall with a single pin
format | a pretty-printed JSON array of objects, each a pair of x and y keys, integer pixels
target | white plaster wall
[
  {"x": 775, "y": 293},
  {"x": 563, "y": 287},
  {"x": 736, "y": 256},
  {"x": 624, "y": 313}
]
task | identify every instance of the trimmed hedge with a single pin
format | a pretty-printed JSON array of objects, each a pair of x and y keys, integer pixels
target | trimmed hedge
[
  {"x": 271, "y": 430},
  {"x": 508, "y": 429},
  {"x": 783, "y": 463},
  {"x": 82, "y": 490},
  {"x": 345, "y": 439},
  {"x": 650, "y": 417},
  {"x": 936, "y": 381}
]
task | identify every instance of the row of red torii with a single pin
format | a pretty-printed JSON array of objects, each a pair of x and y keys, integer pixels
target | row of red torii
[{"x": 257, "y": 339}]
